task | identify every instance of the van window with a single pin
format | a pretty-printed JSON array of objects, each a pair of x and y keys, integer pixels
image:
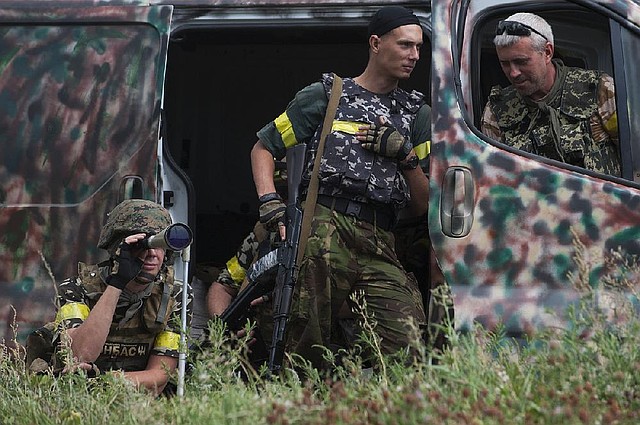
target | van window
[
  {"x": 570, "y": 32},
  {"x": 68, "y": 108},
  {"x": 628, "y": 122}
]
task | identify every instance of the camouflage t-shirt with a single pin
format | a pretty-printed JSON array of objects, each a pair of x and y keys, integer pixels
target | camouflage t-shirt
[
  {"x": 305, "y": 113},
  {"x": 257, "y": 243}
]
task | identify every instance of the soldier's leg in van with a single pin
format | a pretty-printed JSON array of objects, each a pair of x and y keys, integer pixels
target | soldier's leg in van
[{"x": 412, "y": 248}]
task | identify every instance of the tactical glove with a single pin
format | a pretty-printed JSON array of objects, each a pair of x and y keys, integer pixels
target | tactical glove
[
  {"x": 125, "y": 267},
  {"x": 272, "y": 211},
  {"x": 386, "y": 141}
]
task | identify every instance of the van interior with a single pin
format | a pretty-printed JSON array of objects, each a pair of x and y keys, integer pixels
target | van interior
[{"x": 223, "y": 83}]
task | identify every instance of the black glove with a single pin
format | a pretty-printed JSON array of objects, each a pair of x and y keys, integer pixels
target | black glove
[
  {"x": 125, "y": 267},
  {"x": 386, "y": 141},
  {"x": 271, "y": 210}
]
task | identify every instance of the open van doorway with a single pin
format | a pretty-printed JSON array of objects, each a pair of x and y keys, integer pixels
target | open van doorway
[{"x": 225, "y": 81}]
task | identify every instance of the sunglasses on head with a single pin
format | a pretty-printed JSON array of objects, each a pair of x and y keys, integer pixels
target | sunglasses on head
[{"x": 516, "y": 28}]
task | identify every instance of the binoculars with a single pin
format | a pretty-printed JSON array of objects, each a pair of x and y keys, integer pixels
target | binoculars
[{"x": 175, "y": 237}]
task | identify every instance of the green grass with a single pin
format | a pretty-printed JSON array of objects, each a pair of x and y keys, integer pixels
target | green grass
[{"x": 483, "y": 378}]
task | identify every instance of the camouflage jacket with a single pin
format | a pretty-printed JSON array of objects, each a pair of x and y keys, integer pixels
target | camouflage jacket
[
  {"x": 257, "y": 243},
  {"x": 587, "y": 121},
  {"x": 347, "y": 169},
  {"x": 153, "y": 329}
]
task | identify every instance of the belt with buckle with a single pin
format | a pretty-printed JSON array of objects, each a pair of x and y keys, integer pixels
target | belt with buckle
[{"x": 379, "y": 216}]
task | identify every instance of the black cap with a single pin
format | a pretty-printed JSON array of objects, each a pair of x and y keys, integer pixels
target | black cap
[{"x": 389, "y": 18}]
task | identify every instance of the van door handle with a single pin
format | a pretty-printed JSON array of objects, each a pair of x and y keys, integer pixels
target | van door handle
[
  {"x": 456, "y": 204},
  {"x": 131, "y": 187}
]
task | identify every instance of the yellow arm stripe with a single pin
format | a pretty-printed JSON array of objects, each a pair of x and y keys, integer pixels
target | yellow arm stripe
[
  {"x": 166, "y": 340},
  {"x": 349, "y": 127},
  {"x": 236, "y": 271},
  {"x": 72, "y": 311},
  {"x": 284, "y": 127},
  {"x": 423, "y": 149},
  {"x": 612, "y": 124}
]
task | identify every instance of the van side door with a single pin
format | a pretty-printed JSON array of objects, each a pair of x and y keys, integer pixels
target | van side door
[
  {"x": 521, "y": 238},
  {"x": 80, "y": 96}
]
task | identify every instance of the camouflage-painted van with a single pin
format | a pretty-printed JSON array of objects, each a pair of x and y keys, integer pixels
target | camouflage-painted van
[{"x": 106, "y": 100}]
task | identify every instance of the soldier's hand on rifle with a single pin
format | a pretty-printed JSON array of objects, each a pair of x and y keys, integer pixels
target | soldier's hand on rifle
[
  {"x": 384, "y": 139},
  {"x": 126, "y": 266},
  {"x": 261, "y": 300},
  {"x": 241, "y": 333},
  {"x": 272, "y": 210}
]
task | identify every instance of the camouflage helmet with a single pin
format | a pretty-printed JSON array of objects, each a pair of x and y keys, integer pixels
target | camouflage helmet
[{"x": 132, "y": 216}]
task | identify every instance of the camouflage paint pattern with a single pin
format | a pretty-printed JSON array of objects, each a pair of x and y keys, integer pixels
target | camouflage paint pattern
[
  {"x": 513, "y": 267},
  {"x": 79, "y": 109}
]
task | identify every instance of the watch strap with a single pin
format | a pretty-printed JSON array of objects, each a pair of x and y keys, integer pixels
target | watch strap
[
  {"x": 410, "y": 164},
  {"x": 269, "y": 197}
]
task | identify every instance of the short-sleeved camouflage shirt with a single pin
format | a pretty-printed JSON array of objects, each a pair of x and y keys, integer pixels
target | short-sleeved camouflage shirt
[{"x": 257, "y": 243}]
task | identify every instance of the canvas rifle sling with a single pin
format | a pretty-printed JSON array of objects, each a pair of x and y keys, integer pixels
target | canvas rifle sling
[{"x": 312, "y": 192}]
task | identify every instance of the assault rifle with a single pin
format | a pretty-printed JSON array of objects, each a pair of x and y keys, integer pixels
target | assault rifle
[
  {"x": 287, "y": 254},
  {"x": 279, "y": 263}
]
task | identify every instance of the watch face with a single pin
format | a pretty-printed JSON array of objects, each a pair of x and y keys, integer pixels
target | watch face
[{"x": 411, "y": 164}]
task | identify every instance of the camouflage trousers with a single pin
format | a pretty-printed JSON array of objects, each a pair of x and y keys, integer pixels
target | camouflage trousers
[{"x": 344, "y": 255}]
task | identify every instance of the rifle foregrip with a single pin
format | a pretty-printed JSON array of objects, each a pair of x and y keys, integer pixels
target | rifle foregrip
[{"x": 237, "y": 313}]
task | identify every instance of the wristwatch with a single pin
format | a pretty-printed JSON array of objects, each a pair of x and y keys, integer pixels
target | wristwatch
[{"x": 410, "y": 164}]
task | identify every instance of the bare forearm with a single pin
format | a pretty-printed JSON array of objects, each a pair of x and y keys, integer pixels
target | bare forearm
[
  {"x": 155, "y": 376},
  {"x": 262, "y": 166},
  {"x": 419, "y": 189},
  {"x": 218, "y": 298},
  {"x": 88, "y": 339}
]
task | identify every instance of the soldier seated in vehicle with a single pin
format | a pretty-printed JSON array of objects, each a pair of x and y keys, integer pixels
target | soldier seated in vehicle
[
  {"x": 559, "y": 112},
  {"x": 122, "y": 314}
]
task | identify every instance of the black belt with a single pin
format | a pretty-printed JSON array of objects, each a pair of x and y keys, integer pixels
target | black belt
[{"x": 380, "y": 216}]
